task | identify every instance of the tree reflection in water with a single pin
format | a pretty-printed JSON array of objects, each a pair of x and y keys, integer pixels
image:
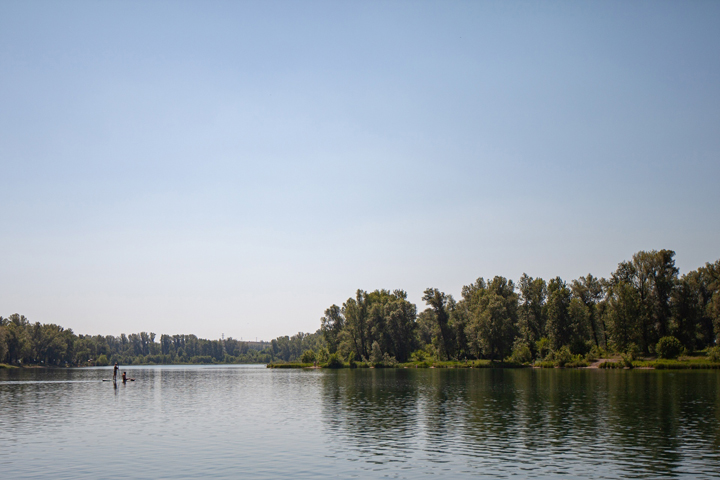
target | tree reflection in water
[{"x": 494, "y": 423}]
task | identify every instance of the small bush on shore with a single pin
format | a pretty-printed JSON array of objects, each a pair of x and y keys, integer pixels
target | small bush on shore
[
  {"x": 334, "y": 361},
  {"x": 308, "y": 356},
  {"x": 521, "y": 354},
  {"x": 669, "y": 348},
  {"x": 562, "y": 356},
  {"x": 577, "y": 362},
  {"x": 713, "y": 354}
]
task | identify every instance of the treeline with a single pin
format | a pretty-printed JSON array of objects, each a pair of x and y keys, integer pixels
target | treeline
[
  {"x": 26, "y": 343},
  {"x": 643, "y": 301}
]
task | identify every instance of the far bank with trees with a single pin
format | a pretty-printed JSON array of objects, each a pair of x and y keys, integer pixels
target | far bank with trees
[{"x": 643, "y": 315}]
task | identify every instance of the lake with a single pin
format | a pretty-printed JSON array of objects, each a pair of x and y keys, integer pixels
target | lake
[{"x": 178, "y": 422}]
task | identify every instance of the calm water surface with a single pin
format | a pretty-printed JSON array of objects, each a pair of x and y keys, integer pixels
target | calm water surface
[{"x": 252, "y": 422}]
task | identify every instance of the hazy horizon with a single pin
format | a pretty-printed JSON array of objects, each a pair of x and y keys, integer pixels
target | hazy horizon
[{"x": 236, "y": 168}]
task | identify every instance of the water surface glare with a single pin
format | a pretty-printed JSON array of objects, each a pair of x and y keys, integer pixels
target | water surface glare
[{"x": 178, "y": 422}]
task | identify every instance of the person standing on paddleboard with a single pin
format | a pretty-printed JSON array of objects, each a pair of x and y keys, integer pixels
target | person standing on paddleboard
[{"x": 115, "y": 370}]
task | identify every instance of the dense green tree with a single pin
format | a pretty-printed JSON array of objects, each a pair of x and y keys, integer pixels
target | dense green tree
[
  {"x": 558, "y": 322},
  {"x": 494, "y": 317},
  {"x": 580, "y": 328},
  {"x": 357, "y": 333},
  {"x": 531, "y": 320},
  {"x": 441, "y": 305},
  {"x": 331, "y": 325},
  {"x": 653, "y": 275},
  {"x": 17, "y": 339},
  {"x": 400, "y": 324},
  {"x": 589, "y": 290},
  {"x": 623, "y": 315},
  {"x": 426, "y": 327}
]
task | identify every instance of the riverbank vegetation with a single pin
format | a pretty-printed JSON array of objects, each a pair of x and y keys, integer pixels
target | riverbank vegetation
[
  {"x": 644, "y": 315},
  {"x": 23, "y": 343},
  {"x": 644, "y": 312}
]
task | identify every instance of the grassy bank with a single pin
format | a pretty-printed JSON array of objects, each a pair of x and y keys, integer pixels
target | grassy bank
[
  {"x": 691, "y": 363},
  {"x": 423, "y": 364},
  {"x": 687, "y": 363},
  {"x": 5, "y": 365}
]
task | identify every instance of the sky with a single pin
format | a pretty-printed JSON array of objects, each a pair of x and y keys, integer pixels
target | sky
[{"x": 218, "y": 167}]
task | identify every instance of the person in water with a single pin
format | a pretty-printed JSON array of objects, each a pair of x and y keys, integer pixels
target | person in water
[
  {"x": 115, "y": 370},
  {"x": 124, "y": 378}
]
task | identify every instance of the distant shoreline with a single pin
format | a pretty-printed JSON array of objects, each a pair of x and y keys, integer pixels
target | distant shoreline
[{"x": 691, "y": 363}]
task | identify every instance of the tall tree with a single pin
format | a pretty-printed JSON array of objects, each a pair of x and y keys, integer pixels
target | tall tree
[
  {"x": 589, "y": 290},
  {"x": 653, "y": 276},
  {"x": 441, "y": 303},
  {"x": 558, "y": 326},
  {"x": 531, "y": 321},
  {"x": 494, "y": 317},
  {"x": 623, "y": 315},
  {"x": 355, "y": 312},
  {"x": 331, "y": 325},
  {"x": 400, "y": 323}
]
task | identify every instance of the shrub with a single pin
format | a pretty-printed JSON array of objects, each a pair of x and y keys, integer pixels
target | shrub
[
  {"x": 351, "y": 360},
  {"x": 389, "y": 361},
  {"x": 102, "y": 361},
  {"x": 521, "y": 354},
  {"x": 334, "y": 361},
  {"x": 562, "y": 356},
  {"x": 322, "y": 355},
  {"x": 376, "y": 356},
  {"x": 578, "y": 361},
  {"x": 669, "y": 347},
  {"x": 627, "y": 359},
  {"x": 713, "y": 354},
  {"x": 308, "y": 356},
  {"x": 542, "y": 347},
  {"x": 418, "y": 356},
  {"x": 593, "y": 355}
]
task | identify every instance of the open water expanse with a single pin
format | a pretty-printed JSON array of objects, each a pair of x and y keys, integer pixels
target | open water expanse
[{"x": 251, "y": 422}]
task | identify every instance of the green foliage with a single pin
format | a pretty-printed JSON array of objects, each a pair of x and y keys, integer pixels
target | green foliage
[
  {"x": 102, "y": 361},
  {"x": 669, "y": 347},
  {"x": 331, "y": 325},
  {"x": 308, "y": 356},
  {"x": 334, "y": 361},
  {"x": 577, "y": 361},
  {"x": 388, "y": 361},
  {"x": 644, "y": 307},
  {"x": 418, "y": 356},
  {"x": 713, "y": 354},
  {"x": 627, "y": 359},
  {"x": 562, "y": 356},
  {"x": 521, "y": 354},
  {"x": 492, "y": 328},
  {"x": 322, "y": 355},
  {"x": 376, "y": 355},
  {"x": 542, "y": 347},
  {"x": 531, "y": 320},
  {"x": 441, "y": 305},
  {"x": 558, "y": 327},
  {"x": 351, "y": 360}
]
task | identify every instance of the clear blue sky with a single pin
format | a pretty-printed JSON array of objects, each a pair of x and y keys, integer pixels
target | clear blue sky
[{"x": 237, "y": 167}]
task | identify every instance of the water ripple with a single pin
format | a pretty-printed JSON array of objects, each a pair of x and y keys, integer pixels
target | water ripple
[{"x": 230, "y": 422}]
